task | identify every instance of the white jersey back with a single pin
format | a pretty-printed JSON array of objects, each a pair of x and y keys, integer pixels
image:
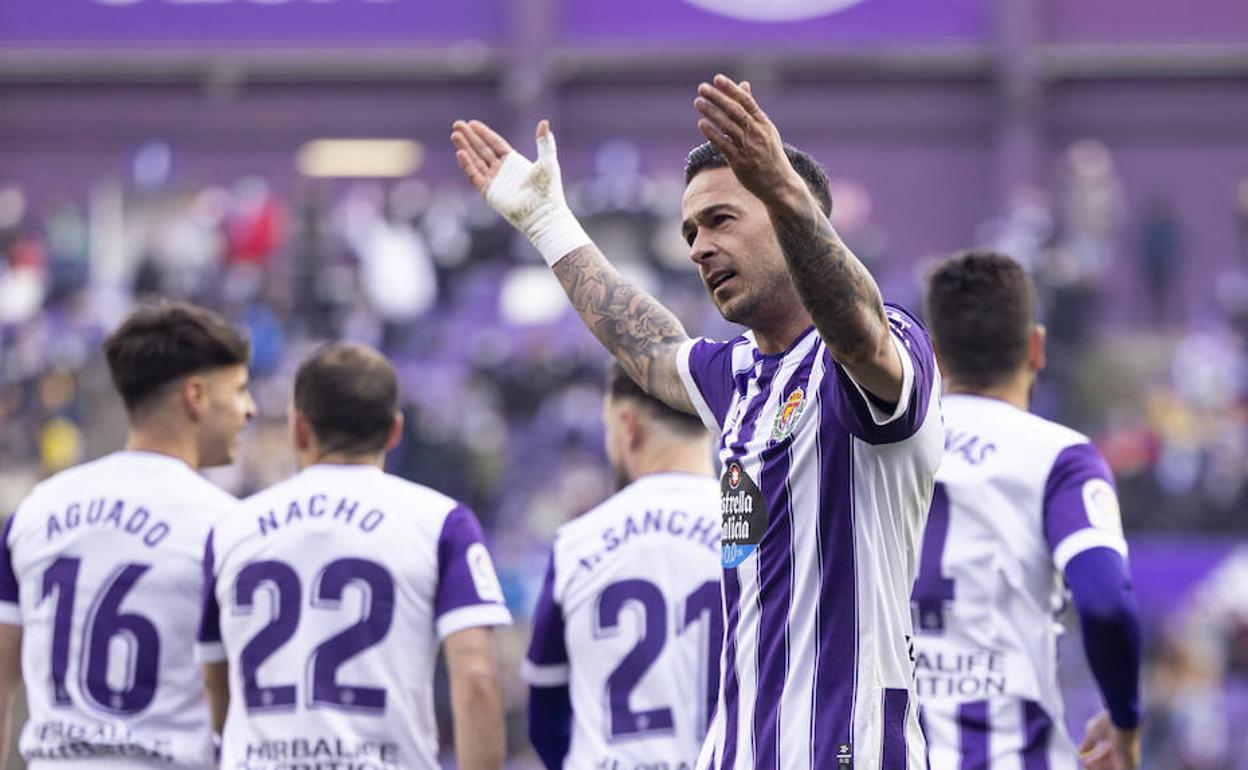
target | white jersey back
[
  {"x": 101, "y": 568},
  {"x": 630, "y": 619},
  {"x": 329, "y": 594},
  {"x": 1016, "y": 498}
]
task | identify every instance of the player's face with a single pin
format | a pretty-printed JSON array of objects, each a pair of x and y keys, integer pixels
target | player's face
[
  {"x": 228, "y": 409},
  {"x": 734, "y": 245}
]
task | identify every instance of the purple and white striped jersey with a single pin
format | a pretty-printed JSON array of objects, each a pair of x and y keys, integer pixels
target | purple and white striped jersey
[
  {"x": 1017, "y": 497},
  {"x": 328, "y": 594},
  {"x": 630, "y": 620},
  {"x": 823, "y": 497},
  {"x": 100, "y": 566}
]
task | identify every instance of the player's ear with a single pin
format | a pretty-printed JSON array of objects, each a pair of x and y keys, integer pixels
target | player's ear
[
  {"x": 396, "y": 431},
  {"x": 1035, "y": 348},
  {"x": 634, "y": 428},
  {"x": 193, "y": 393},
  {"x": 301, "y": 433}
]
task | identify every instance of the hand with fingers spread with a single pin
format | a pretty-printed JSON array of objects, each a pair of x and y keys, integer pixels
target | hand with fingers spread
[
  {"x": 736, "y": 126},
  {"x": 529, "y": 195},
  {"x": 1108, "y": 747}
]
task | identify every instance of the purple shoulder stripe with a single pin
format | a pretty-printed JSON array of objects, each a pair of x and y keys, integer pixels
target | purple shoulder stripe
[
  {"x": 547, "y": 647},
  {"x": 1065, "y": 507},
  {"x": 852, "y": 408},
  {"x": 460, "y": 542},
  {"x": 710, "y": 368},
  {"x": 9, "y": 589},
  {"x": 210, "y": 619}
]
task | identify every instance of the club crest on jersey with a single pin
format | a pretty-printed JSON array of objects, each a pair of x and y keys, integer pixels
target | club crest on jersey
[
  {"x": 743, "y": 511},
  {"x": 786, "y": 418}
]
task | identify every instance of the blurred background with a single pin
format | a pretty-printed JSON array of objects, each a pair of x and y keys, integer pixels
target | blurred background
[{"x": 288, "y": 162}]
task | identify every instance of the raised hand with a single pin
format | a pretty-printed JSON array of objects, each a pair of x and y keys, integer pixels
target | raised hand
[
  {"x": 631, "y": 324},
  {"x": 529, "y": 195},
  {"x": 1107, "y": 747},
  {"x": 736, "y": 126}
]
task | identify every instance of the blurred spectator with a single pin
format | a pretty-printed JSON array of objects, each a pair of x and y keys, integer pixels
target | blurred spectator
[{"x": 1160, "y": 252}]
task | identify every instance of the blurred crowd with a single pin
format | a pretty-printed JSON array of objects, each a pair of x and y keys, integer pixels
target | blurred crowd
[{"x": 501, "y": 383}]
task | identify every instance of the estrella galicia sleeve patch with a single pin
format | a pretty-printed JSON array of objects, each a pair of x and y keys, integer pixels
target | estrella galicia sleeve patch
[{"x": 744, "y": 515}]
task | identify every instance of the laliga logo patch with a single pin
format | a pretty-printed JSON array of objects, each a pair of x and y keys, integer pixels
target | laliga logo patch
[
  {"x": 1101, "y": 505},
  {"x": 773, "y": 10},
  {"x": 484, "y": 579},
  {"x": 786, "y": 418}
]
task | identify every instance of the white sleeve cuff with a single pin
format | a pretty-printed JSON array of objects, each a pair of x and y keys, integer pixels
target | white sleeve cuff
[
  {"x": 1085, "y": 540},
  {"x": 472, "y": 616},
  {"x": 907, "y": 385},
  {"x": 10, "y": 613},
  {"x": 545, "y": 676},
  {"x": 691, "y": 387},
  {"x": 209, "y": 652}
]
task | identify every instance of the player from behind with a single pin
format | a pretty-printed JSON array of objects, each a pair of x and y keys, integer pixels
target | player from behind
[
  {"x": 1020, "y": 504},
  {"x": 631, "y": 605},
  {"x": 100, "y": 565},
  {"x": 327, "y": 595}
]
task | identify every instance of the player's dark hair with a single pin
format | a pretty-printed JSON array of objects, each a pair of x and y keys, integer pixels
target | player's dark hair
[
  {"x": 981, "y": 308},
  {"x": 349, "y": 394},
  {"x": 621, "y": 386},
  {"x": 705, "y": 156},
  {"x": 163, "y": 342}
]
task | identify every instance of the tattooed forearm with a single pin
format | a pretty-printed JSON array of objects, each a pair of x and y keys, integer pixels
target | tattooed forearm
[
  {"x": 838, "y": 292},
  {"x": 641, "y": 333}
]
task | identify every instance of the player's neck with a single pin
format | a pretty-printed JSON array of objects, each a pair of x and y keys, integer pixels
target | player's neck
[
  {"x": 675, "y": 459},
  {"x": 181, "y": 446},
  {"x": 376, "y": 460},
  {"x": 779, "y": 335},
  {"x": 1015, "y": 392}
]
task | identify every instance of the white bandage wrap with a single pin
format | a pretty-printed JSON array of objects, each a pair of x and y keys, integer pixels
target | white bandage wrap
[{"x": 530, "y": 196}]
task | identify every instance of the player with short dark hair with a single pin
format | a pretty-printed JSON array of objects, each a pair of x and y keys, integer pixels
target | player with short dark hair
[
  {"x": 706, "y": 157},
  {"x": 100, "y": 565},
  {"x": 630, "y": 606},
  {"x": 1020, "y": 504},
  {"x": 327, "y": 595},
  {"x": 829, "y": 422}
]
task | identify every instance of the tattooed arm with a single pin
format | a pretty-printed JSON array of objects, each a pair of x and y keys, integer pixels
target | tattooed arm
[
  {"x": 836, "y": 289},
  {"x": 638, "y": 331},
  {"x": 642, "y": 334},
  {"x": 838, "y": 292}
]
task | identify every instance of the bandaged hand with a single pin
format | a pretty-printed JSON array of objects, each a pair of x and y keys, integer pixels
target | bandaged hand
[{"x": 529, "y": 195}]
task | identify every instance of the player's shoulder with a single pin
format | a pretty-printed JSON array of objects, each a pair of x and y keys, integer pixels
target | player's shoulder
[
  {"x": 62, "y": 482},
  {"x": 743, "y": 344},
  {"x": 419, "y": 497},
  {"x": 1052, "y": 438},
  {"x": 971, "y": 412},
  {"x": 148, "y": 474},
  {"x": 657, "y": 491},
  {"x": 901, "y": 316}
]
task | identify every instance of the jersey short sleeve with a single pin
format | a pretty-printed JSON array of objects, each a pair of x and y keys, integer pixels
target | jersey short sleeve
[
  {"x": 208, "y": 646},
  {"x": 546, "y": 664},
  {"x": 872, "y": 419},
  {"x": 706, "y": 370},
  {"x": 468, "y": 593},
  {"x": 1081, "y": 505},
  {"x": 10, "y": 611}
]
